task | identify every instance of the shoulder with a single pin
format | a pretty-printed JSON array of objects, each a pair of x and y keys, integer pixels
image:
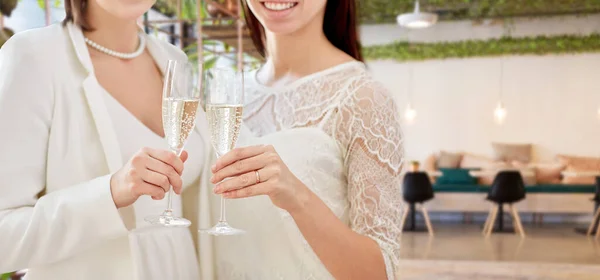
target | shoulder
[
  {"x": 34, "y": 44},
  {"x": 365, "y": 91}
]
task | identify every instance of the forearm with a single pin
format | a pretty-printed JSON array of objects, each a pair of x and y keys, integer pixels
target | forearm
[
  {"x": 35, "y": 235},
  {"x": 345, "y": 253}
]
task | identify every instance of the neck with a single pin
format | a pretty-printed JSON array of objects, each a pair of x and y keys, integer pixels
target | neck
[
  {"x": 111, "y": 32},
  {"x": 298, "y": 54}
]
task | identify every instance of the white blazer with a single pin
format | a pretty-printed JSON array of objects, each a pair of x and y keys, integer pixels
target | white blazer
[{"x": 57, "y": 153}]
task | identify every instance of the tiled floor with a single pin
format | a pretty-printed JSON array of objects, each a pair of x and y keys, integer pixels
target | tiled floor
[
  {"x": 550, "y": 243},
  {"x": 460, "y": 252},
  {"x": 477, "y": 270}
]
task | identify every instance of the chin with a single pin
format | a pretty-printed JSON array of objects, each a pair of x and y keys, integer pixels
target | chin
[
  {"x": 128, "y": 9},
  {"x": 281, "y": 28},
  {"x": 286, "y": 16}
]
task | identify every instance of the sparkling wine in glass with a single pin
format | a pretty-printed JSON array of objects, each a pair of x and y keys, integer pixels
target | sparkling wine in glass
[
  {"x": 224, "y": 107},
  {"x": 180, "y": 103}
]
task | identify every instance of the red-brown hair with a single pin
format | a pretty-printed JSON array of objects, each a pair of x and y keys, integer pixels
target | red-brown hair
[{"x": 339, "y": 25}]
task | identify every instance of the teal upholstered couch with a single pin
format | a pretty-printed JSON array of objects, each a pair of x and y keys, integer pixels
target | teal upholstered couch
[
  {"x": 542, "y": 188},
  {"x": 459, "y": 180},
  {"x": 469, "y": 196}
]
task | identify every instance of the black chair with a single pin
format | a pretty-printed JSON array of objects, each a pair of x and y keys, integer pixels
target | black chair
[
  {"x": 416, "y": 188},
  {"x": 596, "y": 220},
  {"x": 508, "y": 188}
]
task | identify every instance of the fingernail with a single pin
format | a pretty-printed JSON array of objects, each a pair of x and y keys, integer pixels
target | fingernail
[
  {"x": 217, "y": 190},
  {"x": 213, "y": 167},
  {"x": 212, "y": 179}
]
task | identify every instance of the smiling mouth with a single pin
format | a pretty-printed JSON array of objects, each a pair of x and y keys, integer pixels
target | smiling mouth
[{"x": 279, "y": 6}]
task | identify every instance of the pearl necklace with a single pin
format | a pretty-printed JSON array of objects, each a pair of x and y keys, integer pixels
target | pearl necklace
[{"x": 120, "y": 55}]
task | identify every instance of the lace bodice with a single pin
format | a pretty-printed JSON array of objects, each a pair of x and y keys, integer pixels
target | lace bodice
[{"x": 361, "y": 116}]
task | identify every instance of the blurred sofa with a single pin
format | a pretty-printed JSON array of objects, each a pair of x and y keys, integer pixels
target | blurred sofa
[{"x": 563, "y": 185}]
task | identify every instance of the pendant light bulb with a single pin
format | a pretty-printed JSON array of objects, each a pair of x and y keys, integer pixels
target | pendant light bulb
[
  {"x": 410, "y": 113},
  {"x": 500, "y": 113}
]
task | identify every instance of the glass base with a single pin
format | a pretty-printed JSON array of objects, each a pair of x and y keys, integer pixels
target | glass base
[
  {"x": 222, "y": 228},
  {"x": 167, "y": 219}
]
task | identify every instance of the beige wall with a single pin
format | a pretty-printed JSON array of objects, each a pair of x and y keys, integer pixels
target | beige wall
[{"x": 552, "y": 102}]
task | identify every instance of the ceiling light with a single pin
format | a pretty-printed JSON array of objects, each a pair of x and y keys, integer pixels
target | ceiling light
[{"x": 417, "y": 19}]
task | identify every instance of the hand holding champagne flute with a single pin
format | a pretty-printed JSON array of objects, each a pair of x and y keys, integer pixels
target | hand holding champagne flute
[
  {"x": 224, "y": 108},
  {"x": 179, "y": 107}
]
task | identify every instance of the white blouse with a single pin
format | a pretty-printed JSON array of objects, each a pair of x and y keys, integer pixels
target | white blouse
[{"x": 158, "y": 253}]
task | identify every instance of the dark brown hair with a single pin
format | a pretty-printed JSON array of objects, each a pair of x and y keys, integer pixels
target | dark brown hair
[
  {"x": 76, "y": 13},
  {"x": 339, "y": 26}
]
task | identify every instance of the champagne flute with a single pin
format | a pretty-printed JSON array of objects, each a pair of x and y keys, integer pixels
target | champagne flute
[
  {"x": 224, "y": 106},
  {"x": 179, "y": 107}
]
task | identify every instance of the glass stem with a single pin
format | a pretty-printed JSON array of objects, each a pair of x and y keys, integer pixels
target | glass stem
[
  {"x": 222, "y": 218},
  {"x": 169, "y": 210},
  {"x": 169, "y": 196}
]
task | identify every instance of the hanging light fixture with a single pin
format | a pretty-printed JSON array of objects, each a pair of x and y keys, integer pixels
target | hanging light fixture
[
  {"x": 410, "y": 113},
  {"x": 500, "y": 111},
  {"x": 417, "y": 19}
]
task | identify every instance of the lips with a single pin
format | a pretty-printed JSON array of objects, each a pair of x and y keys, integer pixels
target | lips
[{"x": 278, "y": 6}]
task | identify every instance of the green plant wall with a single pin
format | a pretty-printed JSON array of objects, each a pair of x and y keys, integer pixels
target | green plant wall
[
  {"x": 385, "y": 11},
  {"x": 404, "y": 51}
]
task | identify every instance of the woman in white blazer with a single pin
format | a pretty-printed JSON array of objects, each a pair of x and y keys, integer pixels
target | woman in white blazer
[{"x": 82, "y": 156}]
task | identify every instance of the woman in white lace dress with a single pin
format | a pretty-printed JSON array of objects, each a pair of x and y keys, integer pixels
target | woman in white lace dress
[{"x": 315, "y": 182}]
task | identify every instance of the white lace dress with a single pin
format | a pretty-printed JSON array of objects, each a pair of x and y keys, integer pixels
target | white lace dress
[{"x": 338, "y": 131}]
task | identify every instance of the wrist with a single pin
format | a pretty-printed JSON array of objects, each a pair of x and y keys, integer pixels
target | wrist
[
  {"x": 303, "y": 198},
  {"x": 112, "y": 187}
]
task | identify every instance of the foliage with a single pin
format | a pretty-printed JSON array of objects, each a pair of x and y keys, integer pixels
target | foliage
[
  {"x": 5, "y": 276},
  {"x": 188, "y": 8},
  {"x": 209, "y": 58},
  {"x": 55, "y": 4},
  {"x": 541, "y": 45},
  {"x": 381, "y": 11}
]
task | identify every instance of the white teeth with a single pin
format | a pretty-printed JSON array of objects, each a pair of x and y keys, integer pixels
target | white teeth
[{"x": 275, "y": 6}]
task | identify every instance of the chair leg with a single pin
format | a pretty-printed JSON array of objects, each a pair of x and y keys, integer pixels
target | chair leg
[
  {"x": 517, "y": 218},
  {"x": 488, "y": 221},
  {"x": 598, "y": 229},
  {"x": 591, "y": 228},
  {"x": 404, "y": 216},
  {"x": 514, "y": 221},
  {"x": 427, "y": 221},
  {"x": 492, "y": 221},
  {"x": 513, "y": 218}
]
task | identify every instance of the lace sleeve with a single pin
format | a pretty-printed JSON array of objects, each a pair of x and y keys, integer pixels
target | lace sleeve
[{"x": 369, "y": 127}]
